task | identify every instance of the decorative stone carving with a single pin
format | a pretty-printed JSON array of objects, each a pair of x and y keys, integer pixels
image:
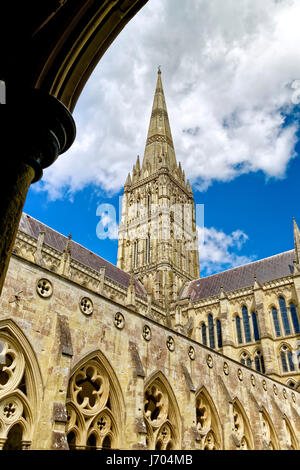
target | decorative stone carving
[
  {"x": 170, "y": 343},
  {"x": 264, "y": 384},
  {"x": 147, "y": 334},
  {"x": 159, "y": 418},
  {"x": 226, "y": 368},
  {"x": 209, "y": 361},
  {"x": 191, "y": 353},
  {"x": 119, "y": 320},
  {"x": 86, "y": 306},
  {"x": 44, "y": 288},
  {"x": 91, "y": 422}
]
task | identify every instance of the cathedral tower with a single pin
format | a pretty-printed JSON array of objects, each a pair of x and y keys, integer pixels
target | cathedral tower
[{"x": 157, "y": 233}]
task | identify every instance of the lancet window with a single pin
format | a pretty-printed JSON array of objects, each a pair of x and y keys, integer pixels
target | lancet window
[{"x": 286, "y": 357}]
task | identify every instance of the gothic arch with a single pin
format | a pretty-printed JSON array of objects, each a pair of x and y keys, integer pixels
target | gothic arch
[
  {"x": 95, "y": 405},
  {"x": 208, "y": 422},
  {"x": 241, "y": 426},
  {"x": 20, "y": 387},
  {"x": 161, "y": 414},
  {"x": 292, "y": 441},
  {"x": 270, "y": 439}
]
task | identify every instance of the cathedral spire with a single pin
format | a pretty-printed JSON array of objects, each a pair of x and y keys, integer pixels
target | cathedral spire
[
  {"x": 159, "y": 148},
  {"x": 297, "y": 241}
]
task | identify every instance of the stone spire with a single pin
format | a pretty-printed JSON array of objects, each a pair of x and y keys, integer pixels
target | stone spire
[
  {"x": 159, "y": 150},
  {"x": 297, "y": 241}
]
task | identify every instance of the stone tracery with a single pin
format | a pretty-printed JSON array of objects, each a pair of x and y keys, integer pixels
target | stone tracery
[
  {"x": 160, "y": 417},
  {"x": 207, "y": 422},
  {"x": 17, "y": 394},
  {"x": 92, "y": 417}
]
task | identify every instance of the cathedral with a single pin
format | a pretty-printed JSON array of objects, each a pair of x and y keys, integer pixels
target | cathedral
[{"x": 148, "y": 355}]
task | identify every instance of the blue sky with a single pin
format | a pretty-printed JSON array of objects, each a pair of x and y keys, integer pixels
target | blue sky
[{"x": 235, "y": 126}]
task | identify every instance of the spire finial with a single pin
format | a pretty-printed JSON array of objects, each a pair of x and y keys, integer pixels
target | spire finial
[{"x": 158, "y": 69}]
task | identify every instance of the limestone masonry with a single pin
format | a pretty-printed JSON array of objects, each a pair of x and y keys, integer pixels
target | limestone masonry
[{"x": 147, "y": 354}]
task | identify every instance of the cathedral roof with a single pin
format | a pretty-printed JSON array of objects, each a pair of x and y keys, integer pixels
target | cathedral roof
[
  {"x": 267, "y": 269},
  {"x": 56, "y": 240}
]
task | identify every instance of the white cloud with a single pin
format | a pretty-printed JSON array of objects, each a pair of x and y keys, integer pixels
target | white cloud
[
  {"x": 227, "y": 71},
  {"x": 219, "y": 251}
]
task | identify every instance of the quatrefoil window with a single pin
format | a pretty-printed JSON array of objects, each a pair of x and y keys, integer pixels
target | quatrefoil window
[
  {"x": 191, "y": 353},
  {"x": 86, "y": 306},
  {"x": 119, "y": 320},
  {"x": 44, "y": 288},
  {"x": 146, "y": 333},
  {"x": 170, "y": 343},
  {"x": 9, "y": 410}
]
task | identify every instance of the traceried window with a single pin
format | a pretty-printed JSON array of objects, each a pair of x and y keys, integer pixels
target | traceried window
[
  {"x": 219, "y": 334},
  {"x": 208, "y": 423},
  {"x": 238, "y": 329},
  {"x": 276, "y": 321},
  {"x": 295, "y": 319},
  {"x": 211, "y": 332},
  {"x": 18, "y": 393},
  {"x": 160, "y": 417},
  {"x": 286, "y": 357},
  {"x": 246, "y": 324},
  {"x": 241, "y": 428},
  {"x": 93, "y": 413},
  {"x": 259, "y": 362},
  {"x": 268, "y": 432},
  {"x": 245, "y": 359},
  {"x": 204, "y": 335},
  {"x": 284, "y": 316},
  {"x": 255, "y": 326}
]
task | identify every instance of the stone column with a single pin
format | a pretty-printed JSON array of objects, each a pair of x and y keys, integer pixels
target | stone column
[{"x": 35, "y": 128}]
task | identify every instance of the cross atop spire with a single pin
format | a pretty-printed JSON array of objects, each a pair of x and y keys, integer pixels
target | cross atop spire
[{"x": 159, "y": 145}]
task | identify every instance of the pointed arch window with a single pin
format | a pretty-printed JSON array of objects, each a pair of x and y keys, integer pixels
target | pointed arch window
[
  {"x": 259, "y": 362},
  {"x": 255, "y": 326},
  {"x": 246, "y": 324},
  {"x": 284, "y": 316},
  {"x": 286, "y": 357},
  {"x": 238, "y": 329},
  {"x": 219, "y": 334},
  {"x": 93, "y": 408},
  {"x": 245, "y": 360},
  {"x": 211, "y": 332},
  {"x": 295, "y": 318},
  {"x": 204, "y": 335},
  {"x": 276, "y": 321}
]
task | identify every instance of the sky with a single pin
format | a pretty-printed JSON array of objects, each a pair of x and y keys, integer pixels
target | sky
[{"x": 231, "y": 78}]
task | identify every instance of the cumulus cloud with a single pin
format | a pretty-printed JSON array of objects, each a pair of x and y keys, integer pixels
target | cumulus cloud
[
  {"x": 227, "y": 70},
  {"x": 219, "y": 251}
]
